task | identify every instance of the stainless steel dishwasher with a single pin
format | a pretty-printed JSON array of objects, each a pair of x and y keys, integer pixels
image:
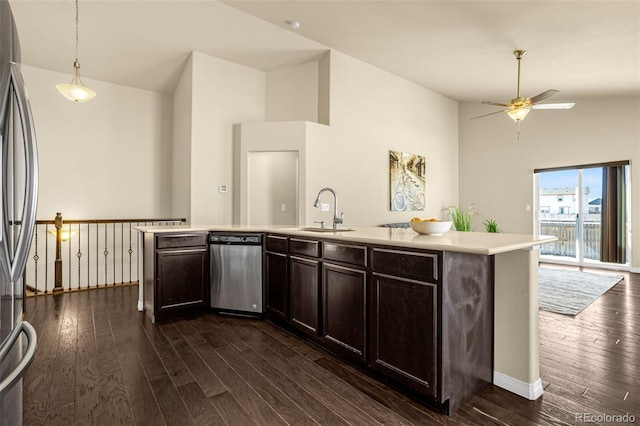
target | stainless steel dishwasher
[{"x": 236, "y": 272}]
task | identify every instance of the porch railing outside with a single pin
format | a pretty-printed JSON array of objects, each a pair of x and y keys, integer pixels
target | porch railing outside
[
  {"x": 82, "y": 254},
  {"x": 566, "y": 231}
]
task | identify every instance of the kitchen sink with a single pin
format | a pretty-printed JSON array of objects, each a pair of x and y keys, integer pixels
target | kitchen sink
[{"x": 316, "y": 229}]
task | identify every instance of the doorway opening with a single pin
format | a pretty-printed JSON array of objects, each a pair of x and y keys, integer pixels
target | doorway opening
[
  {"x": 273, "y": 188},
  {"x": 588, "y": 209}
]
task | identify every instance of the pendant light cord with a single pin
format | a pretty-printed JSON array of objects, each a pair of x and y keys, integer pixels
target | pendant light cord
[{"x": 76, "y": 31}]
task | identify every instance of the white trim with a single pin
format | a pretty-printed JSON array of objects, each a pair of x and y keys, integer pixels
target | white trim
[
  {"x": 531, "y": 391},
  {"x": 140, "y": 305},
  {"x": 634, "y": 270}
]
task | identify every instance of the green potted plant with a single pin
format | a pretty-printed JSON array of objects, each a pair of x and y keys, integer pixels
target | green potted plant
[
  {"x": 461, "y": 218},
  {"x": 491, "y": 226}
]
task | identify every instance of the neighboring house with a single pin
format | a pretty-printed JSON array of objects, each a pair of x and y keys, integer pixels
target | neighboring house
[{"x": 560, "y": 202}]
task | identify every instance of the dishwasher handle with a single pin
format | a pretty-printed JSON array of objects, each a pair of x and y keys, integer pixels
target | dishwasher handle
[{"x": 236, "y": 239}]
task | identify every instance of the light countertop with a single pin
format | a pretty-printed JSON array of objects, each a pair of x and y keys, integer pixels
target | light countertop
[{"x": 465, "y": 242}]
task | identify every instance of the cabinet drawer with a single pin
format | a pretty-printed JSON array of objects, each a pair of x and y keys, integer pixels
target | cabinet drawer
[
  {"x": 351, "y": 254},
  {"x": 181, "y": 240},
  {"x": 419, "y": 266},
  {"x": 304, "y": 247},
  {"x": 276, "y": 244}
]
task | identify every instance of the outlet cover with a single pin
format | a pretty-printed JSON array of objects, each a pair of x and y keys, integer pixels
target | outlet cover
[{"x": 324, "y": 207}]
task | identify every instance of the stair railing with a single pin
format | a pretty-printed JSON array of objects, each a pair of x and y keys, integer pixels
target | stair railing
[{"x": 85, "y": 254}]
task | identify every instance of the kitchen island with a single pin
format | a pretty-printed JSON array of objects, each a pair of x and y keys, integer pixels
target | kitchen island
[{"x": 441, "y": 316}]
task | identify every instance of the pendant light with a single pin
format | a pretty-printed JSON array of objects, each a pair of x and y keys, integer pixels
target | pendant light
[{"x": 76, "y": 91}]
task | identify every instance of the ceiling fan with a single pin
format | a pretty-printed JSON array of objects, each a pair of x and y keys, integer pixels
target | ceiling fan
[{"x": 518, "y": 107}]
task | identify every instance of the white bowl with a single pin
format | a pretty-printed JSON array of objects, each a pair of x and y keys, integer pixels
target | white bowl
[{"x": 431, "y": 228}]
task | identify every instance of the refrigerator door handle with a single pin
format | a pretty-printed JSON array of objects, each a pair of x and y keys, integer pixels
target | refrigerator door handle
[
  {"x": 15, "y": 269},
  {"x": 26, "y": 360}
]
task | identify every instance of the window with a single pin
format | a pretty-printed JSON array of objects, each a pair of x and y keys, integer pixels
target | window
[{"x": 589, "y": 213}]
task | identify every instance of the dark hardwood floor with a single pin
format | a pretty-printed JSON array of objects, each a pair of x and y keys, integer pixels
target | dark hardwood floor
[{"x": 101, "y": 362}]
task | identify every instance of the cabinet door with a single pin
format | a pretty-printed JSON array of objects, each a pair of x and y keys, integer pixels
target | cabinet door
[
  {"x": 182, "y": 281},
  {"x": 277, "y": 289},
  {"x": 304, "y": 296},
  {"x": 404, "y": 332},
  {"x": 344, "y": 314}
]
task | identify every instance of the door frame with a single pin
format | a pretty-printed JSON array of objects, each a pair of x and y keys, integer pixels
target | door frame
[{"x": 579, "y": 259}]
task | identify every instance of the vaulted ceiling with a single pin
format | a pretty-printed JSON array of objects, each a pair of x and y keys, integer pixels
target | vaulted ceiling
[{"x": 461, "y": 49}]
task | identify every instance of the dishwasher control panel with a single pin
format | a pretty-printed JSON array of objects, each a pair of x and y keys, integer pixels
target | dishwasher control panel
[{"x": 248, "y": 239}]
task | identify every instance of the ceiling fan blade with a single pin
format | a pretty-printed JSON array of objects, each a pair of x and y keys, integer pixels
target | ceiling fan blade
[
  {"x": 494, "y": 103},
  {"x": 491, "y": 113},
  {"x": 543, "y": 95},
  {"x": 565, "y": 105}
]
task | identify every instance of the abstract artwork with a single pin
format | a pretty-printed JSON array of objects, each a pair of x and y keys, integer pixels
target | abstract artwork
[{"x": 406, "y": 178}]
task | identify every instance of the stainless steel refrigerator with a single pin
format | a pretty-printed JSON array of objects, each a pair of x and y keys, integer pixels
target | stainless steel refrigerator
[{"x": 18, "y": 198}]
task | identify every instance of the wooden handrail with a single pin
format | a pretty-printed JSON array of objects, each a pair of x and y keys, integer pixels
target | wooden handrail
[{"x": 85, "y": 221}]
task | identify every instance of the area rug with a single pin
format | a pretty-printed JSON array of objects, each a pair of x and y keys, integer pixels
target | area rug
[{"x": 568, "y": 292}]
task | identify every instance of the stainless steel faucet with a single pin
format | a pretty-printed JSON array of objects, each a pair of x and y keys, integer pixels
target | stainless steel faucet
[{"x": 337, "y": 220}]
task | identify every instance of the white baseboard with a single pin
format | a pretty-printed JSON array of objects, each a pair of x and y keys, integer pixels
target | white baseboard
[
  {"x": 635, "y": 270},
  {"x": 140, "y": 305},
  {"x": 531, "y": 391}
]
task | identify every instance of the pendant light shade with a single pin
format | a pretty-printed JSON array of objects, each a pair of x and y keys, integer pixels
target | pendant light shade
[{"x": 76, "y": 91}]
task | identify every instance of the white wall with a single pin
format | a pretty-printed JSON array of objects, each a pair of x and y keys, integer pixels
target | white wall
[
  {"x": 108, "y": 158},
  {"x": 292, "y": 93},
  {"x": 181, "y": 147},
  {"x": 223, "y": 94},
  {"x": 371, "y": 113},
  {"x": 496, "y": 170}
]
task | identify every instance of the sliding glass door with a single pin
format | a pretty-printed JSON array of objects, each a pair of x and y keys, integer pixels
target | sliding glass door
[{"x": 586, "y": 207}]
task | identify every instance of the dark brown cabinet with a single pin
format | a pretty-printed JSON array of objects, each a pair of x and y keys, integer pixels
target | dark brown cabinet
[
  {"x": 344, "y": 316},
  {"x": 176, "y": 282},
  {"x": 304, "y": 285},
  {"x": 344, "y": 299},
  {"x": 277, "y": 273},
  {"x": 304, "y": 294},
  {"x": 420, "y": 318},
  {"x": 404, "y": 342}
]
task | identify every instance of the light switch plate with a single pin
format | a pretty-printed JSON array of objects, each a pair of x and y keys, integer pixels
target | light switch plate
[{"x": 222, "y": 189}]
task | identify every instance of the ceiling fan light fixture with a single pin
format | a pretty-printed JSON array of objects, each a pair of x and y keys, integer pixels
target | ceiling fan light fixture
[
  {"x": 518, "y": 114},
  {"x": 76, "y": 91},
  {"x": 518, "y": 108}
]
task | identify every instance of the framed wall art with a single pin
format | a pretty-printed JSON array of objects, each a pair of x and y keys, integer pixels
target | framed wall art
[{"x": 407, "y": 181}]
